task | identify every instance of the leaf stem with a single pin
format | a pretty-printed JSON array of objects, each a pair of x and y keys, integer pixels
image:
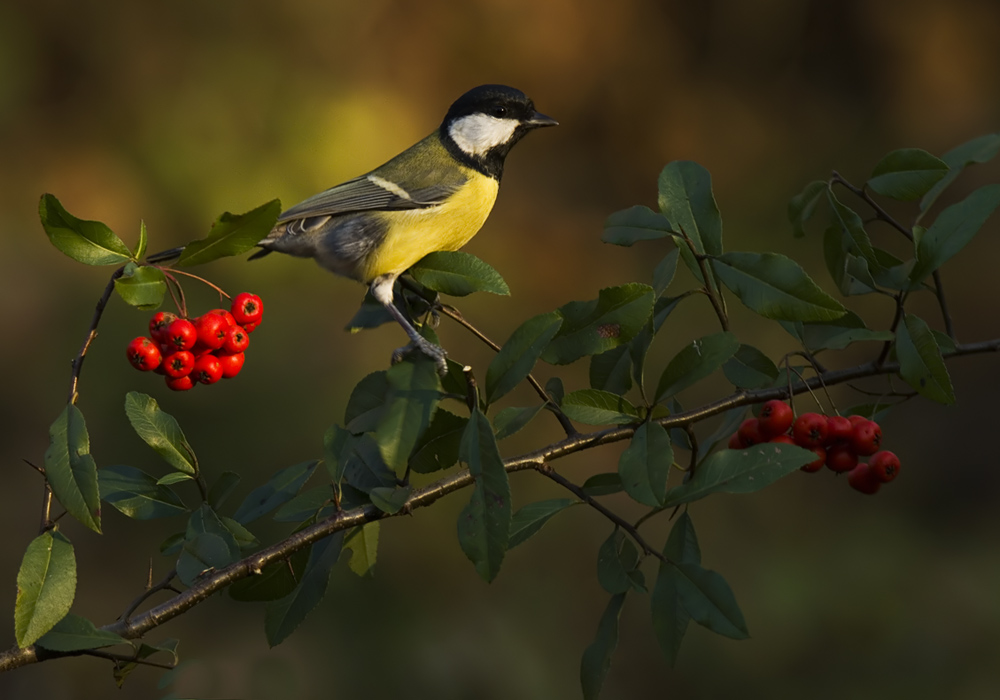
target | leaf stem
[{"x": 91, "y": 334}]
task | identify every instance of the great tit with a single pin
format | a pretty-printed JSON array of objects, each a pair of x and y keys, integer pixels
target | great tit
[{"x": 433, "y": 196}]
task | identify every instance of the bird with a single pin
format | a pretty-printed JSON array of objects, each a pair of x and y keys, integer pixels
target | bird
[{"x": 434, "y": 196}]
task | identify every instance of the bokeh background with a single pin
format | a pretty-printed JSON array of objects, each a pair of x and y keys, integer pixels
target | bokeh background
[{"x": 171, "y": 113}]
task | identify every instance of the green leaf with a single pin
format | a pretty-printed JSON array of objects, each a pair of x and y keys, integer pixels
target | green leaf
[
  {"x": 710, "y": 601},
  {"x": 306, "y": 505},
  {"x": 279, "y": 489},
  {"x": 603, "y": 484},
  {"x": 122, "y": 670},
  {"x": 687, "y": 201},
  {"x": 639, "y": 345},
  {"x": 634, "y": 224},
  {"x": 838, "y": 334},
  {"x": 245, "y": 539},
  {"x": 438, "y": 447},
  {"x": 696, "y": 362},
  {"x": 414, "y": 392},
  {"x": 644, "y": 466},
  {"x": 592, "y": 327},
  {"x": 803, "y": 205},
  {"x": 731, "y": 420},
  {"x": 89, "y": 242},
  {"x": 160, "y": 430},
  {"x": 173, "y": 478},
  {"x": 617, "y": 560},
  {"x": 920, "y": 361},
  {"x": 222, "y": 489},
  {"x": 75, "y": 633},
  {"x": 232, "y": 234},
  {"x": 363, "y": 545},
  {"x": 136, "y": 494},
  {"x": 335, "y": 440},
  {"x": 853, "y": 228},
  {"x": 484, "y": 524},
  {"x": 364, "y": 407},
  {"x": 201, "y": 555},
  {"x": 907, "y": 174},
  {"x": 458, "y": 274},
  {"x": 749, "y": 368},
  {"x": 849, "y": 272},
  {"x": 71, "y": 470},
  {"x": 518, "y": 355},
  {"x": 364, "y": 468},
  {"x": 670, "y": 617},
  {"x": 172, "y": 544},
  {"x": 775, "y": 287},
  {"x": 142, "y": 287},
  {"x": 46, "y": 586},
  {"x": 663, "y": 273},
  {"x": 530, "y": 518},
  {"x": 612, "y": 370},
  {"x": 597, "y": 657},
  {"x": 595, "y": 407},
  {"x": 978, "y": 150},
  {"x": 389, "y": 500},
  {"x": 740, "y": 471},
  {"x": 371, "y": 313},
  {"x": 953, "y": 229},
  {"x": 284, "y": 616},
  {"x": 276, "y": 580},
  {"x": 140, "y": 248},
  {"x": 510, "y": 420},
  {"x": 555, "y": 390}
]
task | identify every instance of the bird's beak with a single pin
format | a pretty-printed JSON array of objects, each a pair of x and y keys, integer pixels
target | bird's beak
[{"x": 538, "y": 119}]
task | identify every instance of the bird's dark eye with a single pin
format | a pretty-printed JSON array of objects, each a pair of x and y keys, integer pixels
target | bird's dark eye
[{"x": 498, "y": 111}]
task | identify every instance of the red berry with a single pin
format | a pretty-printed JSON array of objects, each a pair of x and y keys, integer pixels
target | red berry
[
  {"x": 211, "y": 330},
  {"x": 783, "y": 439},
  {"x": 749, "y": 433},
  {"x": 866, "y": 437},
  {"x": 181, "y": 334},
  {"x": 775, "y": 418},
  {"x": 855, "y": 419},
  {"x": 735, "y": 442},
  {"x": 817, "y": 464},
  {"x": 809, "y": 430},
  {"x": 841, "y": 458},
  {"x": 232, "y": 364},
  {"x": 249, "y": 327},
  {"x": 236, "y": 340},
  {"x": 180, "y": 383},
  {"x": 247, "y": 308},
  {"x": 863, "y": 479},
  {"x": 839, "y": 429},
  {"x": 178, "y": 364},
  {"x": 884, "y": 465},
  {"x": 207, "y": 370},
  {"x": 143, "y": 354},
  {"x": 158, "y": 325},
  {"x": 230, "y": 321}
]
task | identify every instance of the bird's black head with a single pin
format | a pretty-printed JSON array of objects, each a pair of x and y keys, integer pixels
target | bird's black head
[{"x": 484, "y": 124}]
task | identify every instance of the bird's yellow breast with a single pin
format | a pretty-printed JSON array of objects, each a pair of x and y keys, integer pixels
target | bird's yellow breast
[{"x": 414, "y": 233}]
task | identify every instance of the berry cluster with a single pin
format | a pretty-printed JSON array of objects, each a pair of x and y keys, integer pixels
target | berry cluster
[
  {"x": 203, "y": 350},
  {"x": 837, "y": 441}
]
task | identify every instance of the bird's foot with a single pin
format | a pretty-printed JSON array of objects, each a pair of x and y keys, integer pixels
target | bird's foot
[{"x": 435, "y": 352}]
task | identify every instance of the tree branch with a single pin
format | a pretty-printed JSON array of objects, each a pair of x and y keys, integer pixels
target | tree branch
[{"x": 91, "y": 334}]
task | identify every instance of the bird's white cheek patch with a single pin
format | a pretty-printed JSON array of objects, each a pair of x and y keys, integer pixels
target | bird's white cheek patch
[{"x": 478, "y": 133}]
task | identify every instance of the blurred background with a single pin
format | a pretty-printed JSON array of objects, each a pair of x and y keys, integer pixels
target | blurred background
[{"x": 171, "y": 113}]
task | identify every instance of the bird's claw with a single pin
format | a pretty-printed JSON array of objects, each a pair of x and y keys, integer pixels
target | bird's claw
[{"x": 435, "y": 352}]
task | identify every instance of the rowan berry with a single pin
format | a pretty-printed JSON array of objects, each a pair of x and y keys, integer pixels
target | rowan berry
[{"x": 775, "y": 418}]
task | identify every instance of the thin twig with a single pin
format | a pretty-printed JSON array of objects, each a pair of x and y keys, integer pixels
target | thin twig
[
  {"x": 46, "y": 521},
  {"x": 165, "y": 584},
  {"x": 194, "y": 277},
  {"x": 125, "y": 659},
  {"x": 949, "y": 325},
  {"x": 717, "y": 303},
  {"x": 91, "y": 334}
]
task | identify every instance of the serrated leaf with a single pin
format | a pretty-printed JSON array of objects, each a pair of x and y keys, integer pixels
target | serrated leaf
[
  {"x": 335, "y": 441},
  {"x": 592, "y": 327},
  {"x": 484, "y": 524},
  {"x": 775, "y": 287},
  {"x": 709, "y": 600},
  {"x": 740, "y": 471},
  {"x": 596, "y": 659},
  {"x": 555, "y": 390},
  {"x": 849, "y": 272},
  {"x": 838, "y": 334},
  {"x": 389, "y": 500},
  {"x": 670, "y": 617},
  {"x": 371, "y": 313},
  {"x": 364, "y": 468},
  {"x": 663, "y": 273},
  {"x": 695, "y": 362},
  {"x": 306, "y": 505},
  {"x": 512, "y": 419},
  {"x": 603, "y": 484},
  {"x": 202, "y": 555},
  {"x": 222, "y": 488},
  {"x": 76, "y": 633},
  {"x": 205, "y": 520},
  {"x": 920, "y": 361},
  {"x": 276, "y": 580},
  {"x": 363, "y": 545},
  {"x": 71, "y": 470},
  {"x": 853, "y": 228},
  {"x": 518, "y": 355},
  {"x": 595, "y": 407},
  {"x": 438, "y": 447},
  {"x": 283, "y": 616},
  {"x": 637, "y": 223},
  {"x": 616, "y": 559},
  {"x": 122, "y": 670},
  {"x": 530, "y": 518},
  {"x": 140, "y": 248},
  {"x": 136, "y": 494},
  {"x": 414, "y": 393},
  {"x": 907, "y": 174},
  {"x": 458, "y": 274},
  {"x": 232, "y": 234},
  {"x": 639, "y": 345},
  {"x": 364, "y": 407},
  {"x": 279, "y": 489},
  {"x": 89, "y": 242},
  {"x": 173, "y": 478},
  {"x": 161, "y": 431},
  {"x": 749, "y": 368},
  {"x": 612, "y": 370},
  {"x": 953, "y": 229},
  {"x": 46, "y": 586},
  {"x": 172, "y": 544},
  {"x": 644, "y": 466},
  {"x": 802, "y": 206},
  {"x": 142, "y": 287},
  {"x": 978, "y": 150},
  {"x": 686, "y": 199}
]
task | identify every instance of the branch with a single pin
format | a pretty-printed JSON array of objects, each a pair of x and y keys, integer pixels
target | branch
[
  {"x": 91, "y": 334},
  {"x": 253, "y": 564}
]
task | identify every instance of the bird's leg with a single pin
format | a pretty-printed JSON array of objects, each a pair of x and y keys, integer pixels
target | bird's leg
[{"x": 382, "y": 290}]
